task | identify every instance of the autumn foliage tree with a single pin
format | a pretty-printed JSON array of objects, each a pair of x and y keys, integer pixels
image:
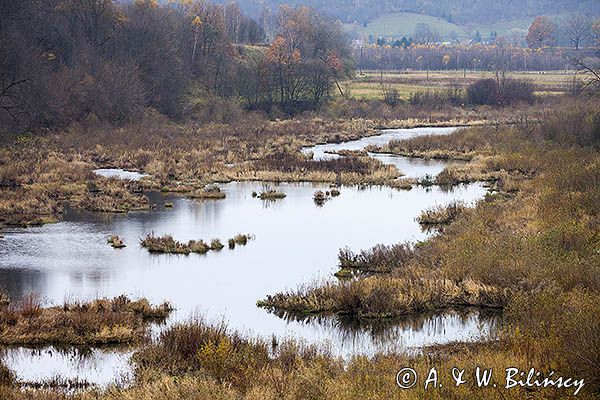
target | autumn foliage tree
[
  {"x": 542, "y": 33},
  {"x": 302, "y": 65},
  {"x": 65, "y": 61}
]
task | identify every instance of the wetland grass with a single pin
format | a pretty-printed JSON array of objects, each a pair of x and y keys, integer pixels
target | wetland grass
[
  {"x": 198, "y": 246},
  {"x": 441, "y": 215},
  {"x": 116, "y": 242},
  {"x": 319, "y": 197},
  {"x": 208, "y": 192},
  {"x": 166, "y": 244},
  {"x": 216, "y": 245},
  {"x": 98, "y": 322},
  {"x": 271, "y": 194},
  {"x": 386, "y": 297}
]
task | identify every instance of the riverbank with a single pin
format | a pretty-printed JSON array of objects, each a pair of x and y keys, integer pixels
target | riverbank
[
  {"x": 40, "y": 174},
  {"x": 534, "y": 240}
]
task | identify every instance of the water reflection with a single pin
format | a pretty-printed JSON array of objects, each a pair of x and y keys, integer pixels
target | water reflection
[
  {"x": 119, "y": 174},
  {"x": 404, "y": 333},
  {"x": 71, "y": 367},
  {"x": 295, "y": 242},
  {"x": 410, "y": 167}
]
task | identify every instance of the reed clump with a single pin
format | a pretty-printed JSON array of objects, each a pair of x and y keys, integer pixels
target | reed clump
[
  {"x": 442, "y": 214},
  {"x": 216, "y": 245},
  {"x": 271, "y": 194},
  {"x": 198, "y": 246},
  {"x": 320, "y": 197},
  {"x": 239, "y": 239},
  {"x": 378, "y": 259},
  {"x": 116, "y": 242},
  {"x": 386, "y": 297},
  {"x": 98, "y": 322},
  {"x": 166, "y": 244},
  {"x": 208, "y": 192}
]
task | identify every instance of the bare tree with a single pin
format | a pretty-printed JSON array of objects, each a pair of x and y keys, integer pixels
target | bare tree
[
  {"x": 589, "y": 69},
  {"x": 11, "y": 101},
  {"x": 596, "y": 32},
  {"x": 578, "y": 28}
]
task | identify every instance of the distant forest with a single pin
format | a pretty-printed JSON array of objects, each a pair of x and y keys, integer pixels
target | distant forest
[{"x": 458, "y": 11}]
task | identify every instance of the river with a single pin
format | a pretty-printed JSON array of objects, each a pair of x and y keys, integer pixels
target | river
[{"x": 296, "y": 242}]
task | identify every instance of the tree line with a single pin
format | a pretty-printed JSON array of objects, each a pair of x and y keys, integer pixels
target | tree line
[
  {"x": 465, "y": 57},
  {"x": 69, "y": 60}
]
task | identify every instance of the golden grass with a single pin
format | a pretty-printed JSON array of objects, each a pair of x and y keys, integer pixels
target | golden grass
[
  {"x": 441, "y": 215},
  {"x": 530, "y": 247},
  {"x": 99, "y": 322},
  {"x": 386, "y": 297}
]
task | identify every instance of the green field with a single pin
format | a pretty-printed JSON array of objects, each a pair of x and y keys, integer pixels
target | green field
[{"x": 405, "y": 24}]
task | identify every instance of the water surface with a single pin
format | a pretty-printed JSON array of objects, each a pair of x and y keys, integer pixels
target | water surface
[
  {"x": 296, "y": 242},
  {"x": 410, "y": 167}
]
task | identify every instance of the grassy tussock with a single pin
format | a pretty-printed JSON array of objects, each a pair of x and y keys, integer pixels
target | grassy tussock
[
  {"x": 208, "y": 192},
  {"x": 271, "y": 194},
  {"x": 116, "y": 242},
  {"x": 99, "y": 322},
  {"x": 379, "y": 258},
  {"x": 441, "y": 215},
  {"x": 239, "y": 240},
  {"x": 386, "y": 297},
  {"x": 166, "y": 244}
]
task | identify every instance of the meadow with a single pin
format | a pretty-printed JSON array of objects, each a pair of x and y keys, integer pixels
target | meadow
[{"x": 370, "y": 85}]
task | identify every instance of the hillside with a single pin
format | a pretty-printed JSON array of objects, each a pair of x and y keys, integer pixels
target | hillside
[
  {"x": 404, "y": 24},
  {"x": 461, "y": 12}
]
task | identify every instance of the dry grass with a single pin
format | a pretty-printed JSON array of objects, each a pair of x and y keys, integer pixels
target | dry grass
[
  {"x": 39, "y": 175},
  {"x": 208, "y": 192},
  {"x": 531, "y": 246},
  {"x": 166, "y": 244},
  {"x": 441, "y": 215},
  {"x": 271, "y": 194},
  {"x": 368, "y": 86},
  {"x": 116, "y": 242},
  {"x": 99, "y": 322},
  {"x": 294, "y": 372},
  {"x": 387, "y": 297}
]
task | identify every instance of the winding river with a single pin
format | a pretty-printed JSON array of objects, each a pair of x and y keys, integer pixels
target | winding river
[{"x": 296, "y": 243}]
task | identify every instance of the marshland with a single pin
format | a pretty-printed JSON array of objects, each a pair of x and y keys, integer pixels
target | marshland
[{"x": 202, "y": 200}]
